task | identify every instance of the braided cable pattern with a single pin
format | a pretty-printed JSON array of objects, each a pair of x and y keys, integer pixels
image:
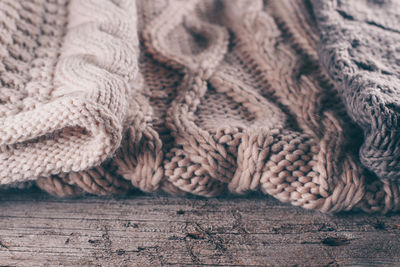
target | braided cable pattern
[
  {"x": 220, "y": 96},
  {"x": 252, "y": 144}
]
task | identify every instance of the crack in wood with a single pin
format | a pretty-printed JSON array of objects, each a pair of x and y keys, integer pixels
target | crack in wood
[{"x": 147, "y": 231}]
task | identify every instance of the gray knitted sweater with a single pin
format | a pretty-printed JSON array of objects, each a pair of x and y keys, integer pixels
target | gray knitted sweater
[{"x": 360, "y": 47}]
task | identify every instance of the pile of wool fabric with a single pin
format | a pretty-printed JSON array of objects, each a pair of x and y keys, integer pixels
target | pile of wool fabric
[{"x": 297, "y": 99}]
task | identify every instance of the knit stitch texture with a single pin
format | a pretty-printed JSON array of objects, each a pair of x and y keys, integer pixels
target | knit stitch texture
[
  {"x": 196, "y": 97},
  {"x": 360, "y": 46}
]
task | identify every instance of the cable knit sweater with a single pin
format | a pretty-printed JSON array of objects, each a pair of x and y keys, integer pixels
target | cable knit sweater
[{"x": 183, "y": 96}]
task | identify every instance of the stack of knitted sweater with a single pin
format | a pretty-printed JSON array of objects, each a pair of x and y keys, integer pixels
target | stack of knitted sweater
[{"x": 297, "y": 99}]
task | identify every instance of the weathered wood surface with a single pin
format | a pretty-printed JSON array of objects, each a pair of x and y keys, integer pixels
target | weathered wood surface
[{"x": 142, "y": 230}]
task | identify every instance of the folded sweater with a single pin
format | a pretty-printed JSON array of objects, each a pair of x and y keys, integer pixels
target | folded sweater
[
  {"x": 66, "y": 68},
  {"x": 360, "y": 47},
  {"x": 216, "y": 97}
]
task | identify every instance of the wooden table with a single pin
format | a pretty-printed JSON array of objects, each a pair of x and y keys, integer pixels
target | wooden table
[{"x": 153, "y": 230}]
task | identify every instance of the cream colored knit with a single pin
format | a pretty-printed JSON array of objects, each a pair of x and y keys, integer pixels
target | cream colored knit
[
  {"x": 65, "y": 74},
  {"x": 229, "y": 95}
]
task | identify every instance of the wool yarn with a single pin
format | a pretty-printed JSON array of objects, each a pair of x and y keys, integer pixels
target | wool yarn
[
  {"x": 360, "y": 45},
  {"x": 65, "y": 74},
  {"x": 199, "y": 97}
]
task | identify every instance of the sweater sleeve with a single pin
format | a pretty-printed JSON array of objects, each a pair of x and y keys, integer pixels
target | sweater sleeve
[
  {"x": 360, "y": 45},
  {"x": 65, "y": 74}
]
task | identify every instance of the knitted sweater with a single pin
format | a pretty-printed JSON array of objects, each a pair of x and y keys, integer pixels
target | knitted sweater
[
  {"x": 360, "y": 47},
  {"x": 216, "y": 97}
]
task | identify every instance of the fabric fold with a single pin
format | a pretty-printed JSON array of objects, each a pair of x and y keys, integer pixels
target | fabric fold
[
  {"x": 189, "y": 97},
  {"x": 360, "y": 44},
  {"x": 66, "y": 87}
]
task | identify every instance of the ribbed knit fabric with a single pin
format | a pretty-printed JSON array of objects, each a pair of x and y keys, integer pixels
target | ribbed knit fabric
[
  {"x": 219, "y": 96},
  {"x": 360, "y": 47}
]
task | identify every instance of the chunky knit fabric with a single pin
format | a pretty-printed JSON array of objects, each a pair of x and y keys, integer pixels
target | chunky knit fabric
[
  {"x": 360, "y": 47},
  {"x": 65, "y": 74},
  {"x": 219, "y": 96}
]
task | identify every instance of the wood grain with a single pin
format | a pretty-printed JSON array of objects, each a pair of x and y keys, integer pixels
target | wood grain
[{"x": 153, "y": 230}]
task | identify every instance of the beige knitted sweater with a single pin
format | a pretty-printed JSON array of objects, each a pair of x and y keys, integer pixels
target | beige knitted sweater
[{"x": 183, "y": 96}]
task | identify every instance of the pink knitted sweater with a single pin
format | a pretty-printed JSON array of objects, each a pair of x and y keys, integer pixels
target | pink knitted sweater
[{"x": 183, "y": 96}]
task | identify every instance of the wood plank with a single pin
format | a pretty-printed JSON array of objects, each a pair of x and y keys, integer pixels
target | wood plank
[{"x": 153, "y": 230}]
